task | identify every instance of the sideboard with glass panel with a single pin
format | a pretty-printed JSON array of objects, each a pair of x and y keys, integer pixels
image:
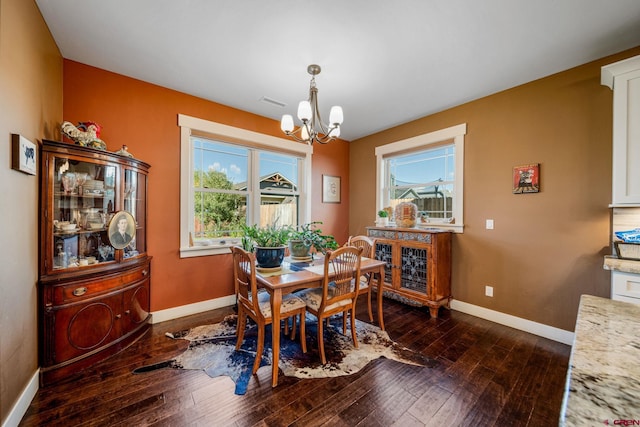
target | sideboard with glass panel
[{"x": 418, "y": 269}]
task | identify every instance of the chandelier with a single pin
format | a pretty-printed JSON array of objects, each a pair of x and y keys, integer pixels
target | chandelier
[{"x": 312, "y": 128}]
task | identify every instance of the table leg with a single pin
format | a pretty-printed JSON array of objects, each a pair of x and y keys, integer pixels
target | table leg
[
  {"x": 276, "y": 302},
  {"x": 380, "y": 287}
]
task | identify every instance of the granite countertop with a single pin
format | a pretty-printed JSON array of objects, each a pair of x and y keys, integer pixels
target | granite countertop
[
  {"x": 626, "y": 265},
  {"x": 603, "y": 380}
]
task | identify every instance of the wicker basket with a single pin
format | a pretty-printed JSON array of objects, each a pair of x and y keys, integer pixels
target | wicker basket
[{"x": 627, "y": 250}]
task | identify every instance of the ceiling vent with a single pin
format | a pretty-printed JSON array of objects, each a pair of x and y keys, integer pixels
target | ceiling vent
[{"x": 272, "y": 101}]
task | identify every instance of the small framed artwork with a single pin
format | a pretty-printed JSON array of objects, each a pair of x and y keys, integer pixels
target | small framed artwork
[
  {"x": 122, "y": 230},
  {"x": 24, "y": 154},
  {"x": 526, "y": 179},
  {"x": 330, "y": 189}
]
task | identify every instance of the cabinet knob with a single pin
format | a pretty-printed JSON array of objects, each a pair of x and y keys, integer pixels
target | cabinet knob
[
  {"x": 80, "y": 291},
  {"x": 127, "y": 312},
  {"x": 118, "y": 316},
  {"x": 145, "y": 272}
]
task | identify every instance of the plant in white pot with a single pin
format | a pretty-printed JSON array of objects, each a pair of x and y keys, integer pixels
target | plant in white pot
[{"x": 383, "y": 218}]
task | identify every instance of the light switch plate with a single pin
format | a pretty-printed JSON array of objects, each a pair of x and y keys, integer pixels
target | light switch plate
[{"x": 489, "y": 224}]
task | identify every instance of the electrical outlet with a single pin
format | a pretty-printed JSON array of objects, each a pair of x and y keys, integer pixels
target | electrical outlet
[
  {"x": 488, "y": 291},
  {"x": 489, "y": 224}
]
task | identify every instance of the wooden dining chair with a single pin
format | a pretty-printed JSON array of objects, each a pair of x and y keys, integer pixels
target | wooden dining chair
[
  {"x": 368, "y": 250},
  {"x": 338, "y": 293},
  {"x": 257, "y": 305}
]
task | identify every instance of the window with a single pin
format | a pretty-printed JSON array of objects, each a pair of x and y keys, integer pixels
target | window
[
  {"x": 426, "y": 170},
  {"x": 231, "y": 177}
]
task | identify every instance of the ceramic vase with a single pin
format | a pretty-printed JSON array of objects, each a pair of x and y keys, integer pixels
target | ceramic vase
[
  {"x": 298, "y": 249},
  {"x": 269, "y": 257}
]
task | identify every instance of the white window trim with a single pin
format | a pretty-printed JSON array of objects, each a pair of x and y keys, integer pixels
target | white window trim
[
  {"x": 455, "y": 133},
  {"x": 190, "y": 125}
]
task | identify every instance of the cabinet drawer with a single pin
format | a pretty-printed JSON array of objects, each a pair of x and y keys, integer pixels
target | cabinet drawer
[
  {"x": 625, "y": 299},
  {"x": 80, "y": 290},
  {"x": 626, "y": 285}
]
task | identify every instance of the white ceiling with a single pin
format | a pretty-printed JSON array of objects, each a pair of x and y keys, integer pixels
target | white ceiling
[{"x": 385, "y": 63}]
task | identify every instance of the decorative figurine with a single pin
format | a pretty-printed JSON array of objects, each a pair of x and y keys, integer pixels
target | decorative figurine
[
  {"x": 124, "y": 151},
  {"x": 86, "y": 134}
]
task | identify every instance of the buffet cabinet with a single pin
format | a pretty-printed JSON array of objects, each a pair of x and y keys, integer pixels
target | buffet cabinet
[
  {"x": 93, "y": 288},
  {"x": 418, "y": 264}
]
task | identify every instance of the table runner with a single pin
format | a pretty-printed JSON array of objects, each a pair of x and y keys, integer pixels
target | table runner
[
  {"x": 319, "y": 269},
  {"x": 283, "y": 270}
]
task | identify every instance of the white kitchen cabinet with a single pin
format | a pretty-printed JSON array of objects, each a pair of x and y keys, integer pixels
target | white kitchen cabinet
[
  {"x": 625, "y": 287},
  {"x": 623, "y": 77}
]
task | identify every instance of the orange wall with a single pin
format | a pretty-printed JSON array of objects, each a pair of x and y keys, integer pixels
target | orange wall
[
  {"x": 144, "y": 117},
  {"x": 547, "y": 248}
]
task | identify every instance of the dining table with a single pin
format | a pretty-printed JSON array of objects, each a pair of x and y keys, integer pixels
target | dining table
[{"x": 294, "y": 275}]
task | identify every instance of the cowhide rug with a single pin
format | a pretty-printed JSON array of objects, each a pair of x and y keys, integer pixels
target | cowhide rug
[{"x": 212, "y": 349}]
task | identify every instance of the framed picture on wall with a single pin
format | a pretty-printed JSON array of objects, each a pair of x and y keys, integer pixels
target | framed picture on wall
[
  {"x": 330, "y": 189},
  {"x": 526, "y": 178},
  {"x": 24, "y": 154}
]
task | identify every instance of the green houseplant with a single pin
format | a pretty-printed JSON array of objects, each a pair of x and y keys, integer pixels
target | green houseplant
[
  {"x": 269, "y": 243},
  {"x": 383, "y": 217},
  {"x": 306, "y": 236}
]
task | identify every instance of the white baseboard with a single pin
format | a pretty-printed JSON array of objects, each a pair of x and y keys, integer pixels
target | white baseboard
[
  {"x": 546, "y": 331},
  {"x": 22, "y": 404},
  {"x": 195, "y": 308}
]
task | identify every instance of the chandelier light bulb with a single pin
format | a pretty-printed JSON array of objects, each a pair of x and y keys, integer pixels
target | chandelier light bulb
[
  {"x": 304, "y": 111},
  {"x": 287, "y": 123},
  {"x": 335, "y": 115},
  {"x": 304, "y": 132}
]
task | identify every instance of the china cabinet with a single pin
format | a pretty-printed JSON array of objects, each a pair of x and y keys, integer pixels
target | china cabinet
[
  {"x": 418, "y": 264},
  {"x": 93, "y": 294}
]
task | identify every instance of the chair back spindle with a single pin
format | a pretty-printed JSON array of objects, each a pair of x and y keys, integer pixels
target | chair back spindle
[
  {"x": 244, "y": 272},
  {"x": 368, "y": 246},
  {"x": 341, "y": 267}
]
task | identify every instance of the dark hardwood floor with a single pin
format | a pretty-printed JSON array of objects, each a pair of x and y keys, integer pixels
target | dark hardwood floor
[{"x": 488, "y": 375}]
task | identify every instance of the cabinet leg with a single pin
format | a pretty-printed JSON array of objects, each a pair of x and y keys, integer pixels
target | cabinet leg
[{"x": 434, "y": 312}]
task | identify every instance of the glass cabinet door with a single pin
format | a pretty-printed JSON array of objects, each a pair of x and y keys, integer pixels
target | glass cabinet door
[
  {"x": 84, "y": 200},
  {"x": 135, "y": 188}
]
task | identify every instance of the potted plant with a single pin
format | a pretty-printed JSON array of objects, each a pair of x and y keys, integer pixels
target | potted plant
[
  {"x": 383, "y": 218},
  {"x": 306, "y": 236},
  {"x": 269, "y": 243}
]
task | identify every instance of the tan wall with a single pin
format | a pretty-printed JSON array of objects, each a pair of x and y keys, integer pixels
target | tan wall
[
  {"x": 144, "y": 117},
  {"x": 30, "y": 105},
  {"x": 547, "y": 248}
]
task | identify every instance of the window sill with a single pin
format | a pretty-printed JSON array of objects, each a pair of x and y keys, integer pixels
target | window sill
[
  {"x": 456, "y": 228},
  {"x": 217, "y": 249}
]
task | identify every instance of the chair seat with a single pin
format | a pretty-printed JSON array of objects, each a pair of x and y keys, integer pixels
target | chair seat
[
  {"x": 313, "y": 298},
  {"x": 290, "y": 303}
]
